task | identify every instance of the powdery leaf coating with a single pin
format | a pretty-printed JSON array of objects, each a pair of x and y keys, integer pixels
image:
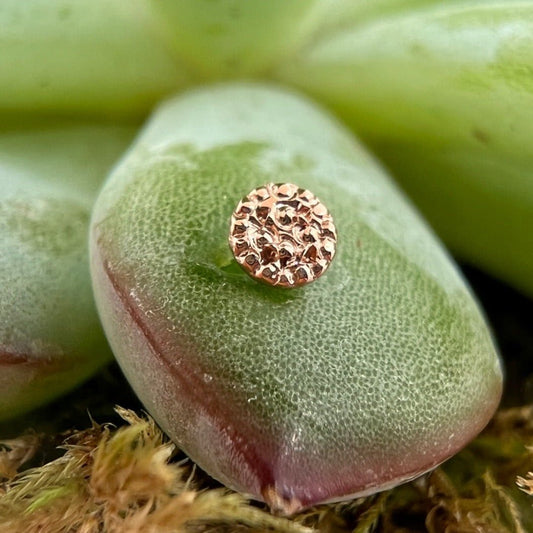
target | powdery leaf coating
[
  {"x": 221, "y": 40},
  {"x": 442, "y": 92},
  {"x": 50, "y": 336},
  {"x": 372, "y": 375},
  {"x": 89, "y": 58}
]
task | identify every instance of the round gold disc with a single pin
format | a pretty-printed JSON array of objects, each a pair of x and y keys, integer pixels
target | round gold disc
[{"x": 282, "y": 235}]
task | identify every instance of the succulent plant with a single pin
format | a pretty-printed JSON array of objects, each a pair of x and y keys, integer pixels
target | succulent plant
[
  {"x": 387, "y": 357},
  {"x": 372, "y": 375}
]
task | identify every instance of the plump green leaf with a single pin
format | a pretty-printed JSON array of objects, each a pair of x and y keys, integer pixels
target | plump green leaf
[
  {"x": 443, "y": 93},
  {"x": 228, "y": 38},
  {"x": 373, "y": 374},
  {"x": 50, "y": 338},
  {"x": 97, "y": 57}
]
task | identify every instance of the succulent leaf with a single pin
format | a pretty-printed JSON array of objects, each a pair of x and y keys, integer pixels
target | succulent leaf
[
  {"x": 442, "y": 92},
  {"x": 90, "y": 57},
  {"x": 50, "y": 337},
  {"x": 370, "y": 376},
  {"x": 233, "y": 38}
]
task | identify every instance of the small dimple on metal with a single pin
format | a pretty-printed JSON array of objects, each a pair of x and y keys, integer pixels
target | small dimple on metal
[{"x": 282, "y": 235}]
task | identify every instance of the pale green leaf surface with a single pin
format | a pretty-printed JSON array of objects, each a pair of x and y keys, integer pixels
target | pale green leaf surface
[
  {"x": 89, "y": 57},
  {"x": 231, "y": 38},
  {"x": 50, "y": 337},
  {"x": 444, "y": 95},
  {"x": 369, "y": 376}
]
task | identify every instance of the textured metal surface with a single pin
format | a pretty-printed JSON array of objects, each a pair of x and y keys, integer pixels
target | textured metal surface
[{"x": 282, "y": 235}]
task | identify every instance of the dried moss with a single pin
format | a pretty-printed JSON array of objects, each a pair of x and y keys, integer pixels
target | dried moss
[{"x": 132, "y": 479}]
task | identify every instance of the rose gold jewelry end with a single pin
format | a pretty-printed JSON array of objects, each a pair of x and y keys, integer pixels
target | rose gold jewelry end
[{"x": 282, "y": 235}]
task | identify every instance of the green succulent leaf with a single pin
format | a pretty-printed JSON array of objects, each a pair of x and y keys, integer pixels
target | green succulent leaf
[
  {"x": 50, "y": 337},
  {"x": 90, "y": 57},
  {"x": 443, "y": 93},
  {"x": 371, "y": 375},
  {"x": 219, "y": 39}
]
